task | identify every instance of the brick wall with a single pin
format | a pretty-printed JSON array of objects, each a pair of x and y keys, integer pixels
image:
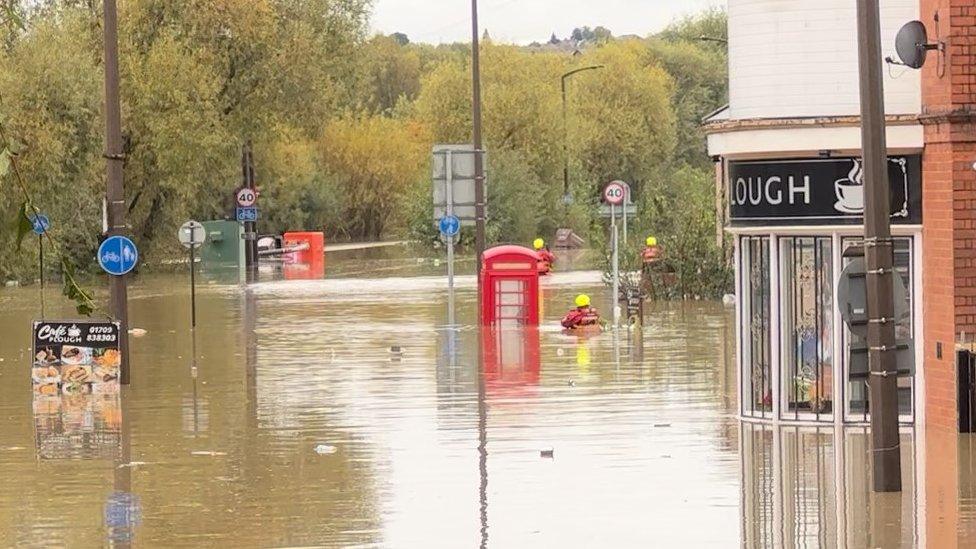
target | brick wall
[{"x": 949, "y": 201}]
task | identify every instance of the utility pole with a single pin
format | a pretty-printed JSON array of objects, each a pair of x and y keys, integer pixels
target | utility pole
[
  {"x": 115, "y": 194},
  {"x": 567, "y": 198},
  {"x": 250, "y": 229},
  {"x": 879, "y": 255},
  {"x": 479, "y": 166}
]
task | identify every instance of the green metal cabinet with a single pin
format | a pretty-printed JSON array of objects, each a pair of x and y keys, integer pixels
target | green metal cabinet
[{"x": 224, "y": 249}]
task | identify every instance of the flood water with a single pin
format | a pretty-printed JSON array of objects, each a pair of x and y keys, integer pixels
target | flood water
[{"x": 300, "y": 427}]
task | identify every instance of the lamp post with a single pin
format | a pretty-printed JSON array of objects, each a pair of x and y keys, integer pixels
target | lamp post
[
  {"x": 704, "y": 38},
  {"x": 566, "y": 196}
]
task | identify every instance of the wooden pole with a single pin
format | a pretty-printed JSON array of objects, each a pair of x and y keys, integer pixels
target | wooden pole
[
  {"x": 115, "y": 195},
  {"x": 878, "y": 251}
]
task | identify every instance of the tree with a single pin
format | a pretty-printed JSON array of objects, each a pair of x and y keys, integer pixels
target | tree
[
  {"x": 554, "y": 39},
  {"x": 373, "y": 160},
  {"x": 400, "y": 38}
]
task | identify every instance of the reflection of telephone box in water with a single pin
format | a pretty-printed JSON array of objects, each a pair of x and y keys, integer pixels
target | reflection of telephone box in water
[
  {"x": 510, "y": 287},
  {"x": 511, "y": 359},
  {"x": 306, "y": 264}
]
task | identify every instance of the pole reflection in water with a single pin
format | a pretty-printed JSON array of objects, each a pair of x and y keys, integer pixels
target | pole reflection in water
[
  {"x": 123, "y": 510},
  {"x": 811, "y": 487}
]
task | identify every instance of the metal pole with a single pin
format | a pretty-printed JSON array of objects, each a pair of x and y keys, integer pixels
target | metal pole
[
  {"x": 115, "y": 195},
  {"x": 193, "y": 283},
  {"x": 479, "y": 168},
  {"x": 626, "y": 203},
  {"x": 878, "y": 252},
  {"x": 449, "y": 191},
  {"x": 40, "y": 261},
  {"x": 567, "y": 198},
  {"x": 614, "y": 300},
  {"x": 250, "y": 237}
]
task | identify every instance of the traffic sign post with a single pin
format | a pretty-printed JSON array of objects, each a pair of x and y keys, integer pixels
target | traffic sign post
[
  {"x": 615, "y": 194},
  {"x": 449, "y": 226},
  {"x": 40, "y": 225},
  {"x": 118, "y": 255},
  {"x": 192, "y": 235}
]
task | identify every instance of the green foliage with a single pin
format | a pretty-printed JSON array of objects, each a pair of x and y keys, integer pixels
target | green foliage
[{"x": 342, "y": 125}]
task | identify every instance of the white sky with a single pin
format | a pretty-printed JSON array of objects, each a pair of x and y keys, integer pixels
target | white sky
[{"x": 524, "y": 21}]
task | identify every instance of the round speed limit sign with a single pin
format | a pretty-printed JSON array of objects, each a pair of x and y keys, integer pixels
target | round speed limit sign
[
  {"x": 614, "y": 193},
  {"x": 246, "y": 197}
]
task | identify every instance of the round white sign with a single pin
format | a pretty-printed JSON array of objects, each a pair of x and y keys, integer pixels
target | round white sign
[
  {"x": 192, "y": 234},
  {"x": 246, "y": 197},
  {"x": 614, "y": 193}
]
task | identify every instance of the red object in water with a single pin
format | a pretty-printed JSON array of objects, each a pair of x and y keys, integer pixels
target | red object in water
[
  {"x": 546, "y": 259},
  {"x": 510, "y": 287},
  {"x": 306, "y": 264},
  {"x": 651, "y": 254},
  {"x": 581, "y": 316},
  {"x": 511, "y": 361}
]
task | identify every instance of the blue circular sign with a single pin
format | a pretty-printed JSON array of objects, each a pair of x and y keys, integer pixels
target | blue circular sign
[
  {"x": 39, "y": 223},
  {"x": 449, "y": 225},
  {"x": 118, "y": 255}
]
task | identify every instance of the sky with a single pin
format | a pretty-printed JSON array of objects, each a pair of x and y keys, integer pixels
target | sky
[{"x": 525, "y": 21}]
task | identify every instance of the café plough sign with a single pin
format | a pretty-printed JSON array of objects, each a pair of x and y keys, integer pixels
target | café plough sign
[{"x": 818, "y": 191}]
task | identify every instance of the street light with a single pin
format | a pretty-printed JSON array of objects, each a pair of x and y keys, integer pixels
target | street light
[
  {"x": 566, "y": 196},
  {"x": 704, "y": 38}
]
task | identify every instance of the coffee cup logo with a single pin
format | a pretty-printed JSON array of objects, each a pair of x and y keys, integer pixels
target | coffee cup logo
[{"x": 850, "y": 191}]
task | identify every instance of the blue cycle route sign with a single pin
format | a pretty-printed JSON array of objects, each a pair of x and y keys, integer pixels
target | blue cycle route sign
[
  {"x": 118, "y": 255},
  {"x": 449, "y": 225},
  {"x": 249, "y": 213},
  {"x": 39, "y": 223}
]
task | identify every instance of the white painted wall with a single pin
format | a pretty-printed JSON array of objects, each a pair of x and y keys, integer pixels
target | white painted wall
[{"x": 798, "y": 58}]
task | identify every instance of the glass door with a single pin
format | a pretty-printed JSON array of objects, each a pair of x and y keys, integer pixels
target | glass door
[{"x": 807, "y": 305}]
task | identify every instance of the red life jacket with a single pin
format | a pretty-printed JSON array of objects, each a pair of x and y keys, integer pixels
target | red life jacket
[{"x": 581, "y": 316}]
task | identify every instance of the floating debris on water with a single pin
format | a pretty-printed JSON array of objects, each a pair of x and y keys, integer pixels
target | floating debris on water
[
  {"x": 547, "y": 453},
  {"x": 571, "y": 383},
  {"x": 662, "y": 424},
  {"x": 325, "y": 449},
  {"x": 132, "y": 464},
  {"x": 209, "y": 453},
  {"x": 137, "y": 332}
]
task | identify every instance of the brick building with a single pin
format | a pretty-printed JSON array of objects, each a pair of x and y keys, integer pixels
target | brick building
[{"x": 787, "y": 151}]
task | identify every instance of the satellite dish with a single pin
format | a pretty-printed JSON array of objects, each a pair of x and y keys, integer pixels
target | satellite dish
[{"x": 912, "y": 44}]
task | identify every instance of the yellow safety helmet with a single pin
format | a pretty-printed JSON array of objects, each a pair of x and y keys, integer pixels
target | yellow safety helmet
[
  {"x": 651, "y": 241},
  {"x": 582, "y": 300},
  {"x": 538, "y": 243}
]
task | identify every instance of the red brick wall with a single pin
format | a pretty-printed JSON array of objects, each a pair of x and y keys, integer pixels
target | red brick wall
[{"x": 949, "y": 200}]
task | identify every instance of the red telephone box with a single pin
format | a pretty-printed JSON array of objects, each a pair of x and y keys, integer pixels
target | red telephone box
[{"x": 510, "y": 287}]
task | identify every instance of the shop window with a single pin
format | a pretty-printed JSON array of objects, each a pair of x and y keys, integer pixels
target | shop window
[
  {"x": 807, "y": 304},
  {"x": 858, "y": 401},
  {"x": 757, "y": 381}
]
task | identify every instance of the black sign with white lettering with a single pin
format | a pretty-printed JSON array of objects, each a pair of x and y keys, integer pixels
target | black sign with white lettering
[
  {"x": 75, "y": 357},
  {"x": 818, "y": 191}
]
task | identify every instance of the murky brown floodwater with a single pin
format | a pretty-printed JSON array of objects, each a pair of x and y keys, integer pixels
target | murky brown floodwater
[{"x": 300, "y": 428}]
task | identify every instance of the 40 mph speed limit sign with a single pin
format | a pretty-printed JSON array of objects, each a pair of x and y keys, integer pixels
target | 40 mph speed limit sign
[
  {"x": 246, "y": 197},
  {"x": 614, "y": 193}
]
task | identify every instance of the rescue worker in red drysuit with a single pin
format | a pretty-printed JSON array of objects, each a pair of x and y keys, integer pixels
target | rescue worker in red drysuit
[
  {"x": 582, "y": 315},
  {"x": 546, "y": 257},
  {"x": 651, "y": 252}
]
